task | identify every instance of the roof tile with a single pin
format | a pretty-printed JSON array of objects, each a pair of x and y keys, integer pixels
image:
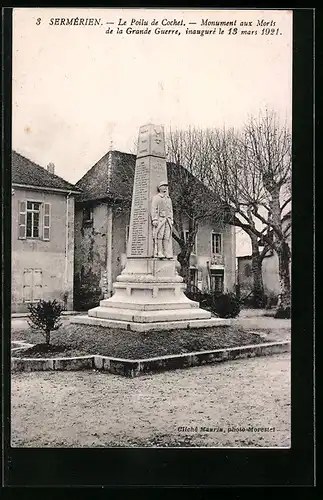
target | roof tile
[{"x": 25, "y": 171}]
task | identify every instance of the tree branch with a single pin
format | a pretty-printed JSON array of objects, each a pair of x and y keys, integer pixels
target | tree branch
[
  {"x": 270, "y": 224},
  {"x": 287, "y": 228},
  {"x": 286, "y": 203}
]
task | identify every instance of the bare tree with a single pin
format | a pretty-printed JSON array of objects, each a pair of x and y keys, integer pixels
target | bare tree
[
  {"x": 189, "y": 154},
  {"x": 251, "y": 170},
  {"x": 268, "y": 150},
  {"x": 238, "y": 184}
]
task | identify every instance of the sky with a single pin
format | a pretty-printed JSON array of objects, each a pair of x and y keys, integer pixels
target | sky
[{"x": 79, "y": 92}]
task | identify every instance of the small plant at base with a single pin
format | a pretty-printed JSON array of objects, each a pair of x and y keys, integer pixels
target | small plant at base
[
  {"x": 45, "y": 316},
  {"x": 65, "y": 299}
]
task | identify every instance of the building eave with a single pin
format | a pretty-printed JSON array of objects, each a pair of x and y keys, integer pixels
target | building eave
[{"x": 44, "y": 188}]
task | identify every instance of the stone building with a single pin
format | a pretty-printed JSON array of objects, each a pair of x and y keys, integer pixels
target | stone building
[
  {"x": 42, "y": 234},
  {"x": 102, "y": 214}
]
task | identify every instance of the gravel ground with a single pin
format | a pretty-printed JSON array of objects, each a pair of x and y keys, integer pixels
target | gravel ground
[
  {"x": 95, "y": 409},
  {"x": 273, "y": 329}
]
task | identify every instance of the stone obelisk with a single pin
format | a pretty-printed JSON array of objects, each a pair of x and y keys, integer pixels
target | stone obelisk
[{"x": 149, "y": 294}]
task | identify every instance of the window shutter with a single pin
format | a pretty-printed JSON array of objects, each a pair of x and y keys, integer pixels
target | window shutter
[
  {"x": 37, "y": 284},
  {"x": 22, "y": 220},
  {"x": 46, "y": 222},
  {"x": 27, "y": 287}
]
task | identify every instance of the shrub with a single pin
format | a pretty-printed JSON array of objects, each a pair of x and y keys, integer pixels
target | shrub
[
  {"x": 45, "y": 316},
  {"x": 253, "y": 301},
  {"x": 65, "y": 299},
  {"x": 246, "y": 298},
  {"x": 205, "y": 299},
  {"x": 87, "y": 297},
  {"x": 259, "y": 301},
  {"x": 283, "y": 313},
  {"x": 271, "y": 300},
  {"x": 193, "y": 293},
  {"x": 226, "y": 305}
]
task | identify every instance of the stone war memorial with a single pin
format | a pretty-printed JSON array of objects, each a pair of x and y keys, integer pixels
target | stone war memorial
[{"x": 149, "y": 294}]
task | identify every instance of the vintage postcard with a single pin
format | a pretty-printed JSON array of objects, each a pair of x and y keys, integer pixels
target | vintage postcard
[{"x": 151, "y": 228}]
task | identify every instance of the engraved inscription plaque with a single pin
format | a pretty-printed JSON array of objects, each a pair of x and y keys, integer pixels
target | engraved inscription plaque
[
  {"x": 151, "y": 141},
  {"x": 143, "y": 142},
  {"x": 139, "y": 226},
  {"x": 157, "y": 145},
  {"x": 150, "y": 171},
  {"x": 159, "y": 173}
]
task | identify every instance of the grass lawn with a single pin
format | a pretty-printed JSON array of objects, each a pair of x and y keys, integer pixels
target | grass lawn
[{"x": 79, "y": 340}]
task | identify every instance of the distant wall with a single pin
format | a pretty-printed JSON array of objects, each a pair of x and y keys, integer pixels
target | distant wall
[
  {"x": 90, "y": 254},
  {"x": 269, "y": 274}
]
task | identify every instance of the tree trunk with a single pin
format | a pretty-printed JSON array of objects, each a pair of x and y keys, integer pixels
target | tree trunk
[
  {"x": 47, "y": 336},
  {"x": 184, "y": 255},
  {"x": 256, "y": 266},
  {"x": 283, "y": 252},
  {"x": 284, "y": 306},
  {"x": 184, "y": 260}
]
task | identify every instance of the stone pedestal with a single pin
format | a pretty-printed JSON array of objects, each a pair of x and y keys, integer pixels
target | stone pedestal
[{"x": 148, "y": 294}]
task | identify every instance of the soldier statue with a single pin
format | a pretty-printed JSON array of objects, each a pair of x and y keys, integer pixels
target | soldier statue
[{"x": 162, "y": 221}]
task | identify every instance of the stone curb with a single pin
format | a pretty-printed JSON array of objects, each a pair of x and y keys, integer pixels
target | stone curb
[
  {"x": 44, "y": 364},
  {"x": 26, "y": 314},
  {"x": 22, "y": 348},
  {"x": 136, "y": 367}
]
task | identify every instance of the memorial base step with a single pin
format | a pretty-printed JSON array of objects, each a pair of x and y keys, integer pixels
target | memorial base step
[
  {"x": 156, "y": 326},
  {"x": 148, "y": 306},
  {"x": 150, "y": 316}
]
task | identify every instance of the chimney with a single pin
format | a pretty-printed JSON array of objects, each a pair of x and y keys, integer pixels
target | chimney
[{"x": 51, "y": 168}]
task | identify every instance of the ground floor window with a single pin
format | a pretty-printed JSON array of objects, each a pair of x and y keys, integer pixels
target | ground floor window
[
  {"x": 217, "y": 281},
  {"x": 32, "y": 287},
  {"x": 193, "y": 277}
]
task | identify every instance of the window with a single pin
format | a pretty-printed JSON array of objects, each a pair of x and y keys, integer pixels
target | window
[
  {"x": 30, "y": 225},
  {"x": 217, "y": 281},
  {"x": 216, "y": 243},
  {"x": 33, "y": 216},
  {"x": 186, "y": 233},
  {"x": 193, "y": 274},
  {"x": 32, "y": 288},
  {"x": 87, "y": 214}
]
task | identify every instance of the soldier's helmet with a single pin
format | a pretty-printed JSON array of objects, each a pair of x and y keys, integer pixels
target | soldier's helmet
[{"x": 163, "y": 183}]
